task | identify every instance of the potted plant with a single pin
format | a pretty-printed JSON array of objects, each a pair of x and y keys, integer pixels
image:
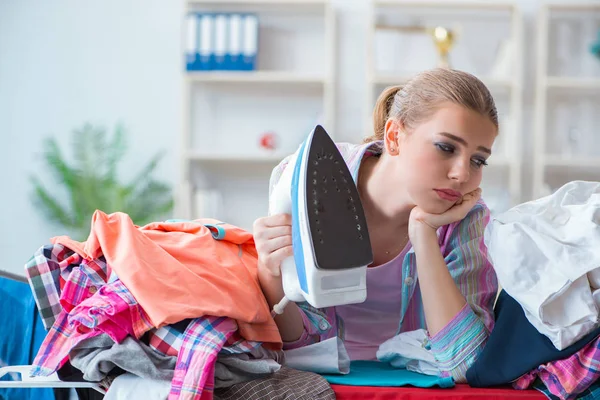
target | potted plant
[{"x": 90, "y": 180}]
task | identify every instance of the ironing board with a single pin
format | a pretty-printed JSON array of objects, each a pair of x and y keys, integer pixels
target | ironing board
[
  {"x": 51, "y": 381},
  {"x": 459, "y": 392},
  {"x": 22, "y": 371}
]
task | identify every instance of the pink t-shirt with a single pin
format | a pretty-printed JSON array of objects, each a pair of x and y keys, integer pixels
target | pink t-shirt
[{"x": 369, "y": 324}]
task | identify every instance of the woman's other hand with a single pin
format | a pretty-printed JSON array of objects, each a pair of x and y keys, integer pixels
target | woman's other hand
[{"x": 419, "y": 218}]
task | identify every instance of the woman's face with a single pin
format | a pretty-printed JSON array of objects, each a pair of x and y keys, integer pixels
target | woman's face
[{"x": 443, "y": 157}]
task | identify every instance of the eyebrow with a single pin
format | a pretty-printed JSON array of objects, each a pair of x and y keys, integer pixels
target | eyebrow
[{"x": 464, "y": 142}]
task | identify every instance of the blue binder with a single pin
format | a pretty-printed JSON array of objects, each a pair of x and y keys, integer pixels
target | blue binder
[
  {"x": 233, "y": 52},
  {"x": 250, "y": 42},
  {"x": 205, "y": 41},
  {"x": 191, "y": 42},
  {"x": 220, "y": 41}
]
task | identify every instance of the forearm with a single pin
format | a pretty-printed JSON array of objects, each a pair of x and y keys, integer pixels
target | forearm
[
  {"x": 290, "y": 322},
  {"x": 442, "y": 300}
]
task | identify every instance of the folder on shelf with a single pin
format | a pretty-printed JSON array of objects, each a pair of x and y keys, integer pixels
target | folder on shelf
[
  {"x": 220, "y": 41},
  {"x": 191, "y": 41},
  {"x": 233, "y": 52},
  {"x": 250, "y": 42},
  {"x": 205, "y": 42}
]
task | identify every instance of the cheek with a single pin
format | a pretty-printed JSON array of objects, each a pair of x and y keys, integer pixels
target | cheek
[
  {"x": 475, "y": 181},
  {"x": 425, "y": 160}
]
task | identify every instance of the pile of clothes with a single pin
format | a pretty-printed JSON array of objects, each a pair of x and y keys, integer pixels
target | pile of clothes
[
  {"x": 546, "y": 254},
  {"x": 172, "y": 307}
]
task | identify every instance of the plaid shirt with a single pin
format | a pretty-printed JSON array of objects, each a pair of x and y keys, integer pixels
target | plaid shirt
[
  {"x": 66, "y": 288},
  {"x": 570, "y": 378}
]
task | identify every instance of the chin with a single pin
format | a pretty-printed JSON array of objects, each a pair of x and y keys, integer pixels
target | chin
[
  {"x": 433, "y": 205},
  {"x": 435, "y": 209}
]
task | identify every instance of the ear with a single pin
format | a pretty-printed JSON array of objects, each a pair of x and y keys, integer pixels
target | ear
[{"x": 392, "y": 132}]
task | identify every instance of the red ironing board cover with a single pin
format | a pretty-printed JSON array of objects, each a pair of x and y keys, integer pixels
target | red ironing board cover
[{"x": 459, "y": 392}]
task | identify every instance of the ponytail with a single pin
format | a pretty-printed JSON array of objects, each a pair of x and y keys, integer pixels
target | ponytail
[{"x": 382, "y": 111}]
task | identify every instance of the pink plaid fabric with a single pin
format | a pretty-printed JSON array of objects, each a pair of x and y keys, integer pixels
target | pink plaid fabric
[
  {"x": 60, "y": 280},
  {"x": 195, "y": 372},
  {"x": 78, "y": 303},
  {"x": 112, "y": 310},
  {"x": 569, "y": 377}
]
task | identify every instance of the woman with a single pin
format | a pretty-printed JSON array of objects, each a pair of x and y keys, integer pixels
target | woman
[{"x": 418, "y": 176}]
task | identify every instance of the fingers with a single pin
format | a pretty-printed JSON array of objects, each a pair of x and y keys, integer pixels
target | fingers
[
  {"x": 272, "y": 245},
  {"x": 467, "y": 203},
  {"x": 472, "y": 197},
  {"x": 272, "y": 262},
  {"x": 262, "y": 226},
  {"x": 267, "y": 233},
  {"x": 273, "y": 239},
  {"x": 277, "y": 220}
]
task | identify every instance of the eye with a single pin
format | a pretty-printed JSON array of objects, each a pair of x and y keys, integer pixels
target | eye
[
  {"x": 479, "y": 162},
  {"x": 446, "y": 148}
]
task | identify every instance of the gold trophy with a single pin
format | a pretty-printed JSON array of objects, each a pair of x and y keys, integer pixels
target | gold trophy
[{"x": 443, "y": 39}]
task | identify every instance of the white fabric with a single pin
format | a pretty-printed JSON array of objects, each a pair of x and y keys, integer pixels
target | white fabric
[
  {"x": 326, "y": 357},
  {"x": 129, "y": 386},
  {"x": 594, "y": 278},
  {"x": 543, "y": 251},
  {"x": 409, "y": 350}
]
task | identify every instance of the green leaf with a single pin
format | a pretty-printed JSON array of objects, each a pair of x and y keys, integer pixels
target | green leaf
[
  {"x": 51, "y": 208},
  {"x": 116, "y": 151},
  {"x": 57, "y": 164},
  {"x": 91, "y": 182}
]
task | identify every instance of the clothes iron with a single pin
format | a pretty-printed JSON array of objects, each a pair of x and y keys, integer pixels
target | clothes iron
[{"x": 330, "y": 238}]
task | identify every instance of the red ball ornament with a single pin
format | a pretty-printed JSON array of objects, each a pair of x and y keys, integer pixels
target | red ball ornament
[{"x": 268, "y": 141}]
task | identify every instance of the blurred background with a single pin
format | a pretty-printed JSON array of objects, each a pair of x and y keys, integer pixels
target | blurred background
[{"x": 181, "y": 109}]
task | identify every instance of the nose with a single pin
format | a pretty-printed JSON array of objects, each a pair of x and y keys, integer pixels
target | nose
[{"x": 460, "y": 171}]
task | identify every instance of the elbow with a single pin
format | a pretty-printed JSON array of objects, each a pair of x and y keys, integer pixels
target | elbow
[
  {"x": 457, "y": 370},
  {"x": 458, "y": 374}
]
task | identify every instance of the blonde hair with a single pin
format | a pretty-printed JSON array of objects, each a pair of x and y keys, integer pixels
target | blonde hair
[{"x": 421, "y": 96}]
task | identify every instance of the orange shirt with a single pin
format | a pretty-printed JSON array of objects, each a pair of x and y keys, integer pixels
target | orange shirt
[{"x": 188, "y": 269}]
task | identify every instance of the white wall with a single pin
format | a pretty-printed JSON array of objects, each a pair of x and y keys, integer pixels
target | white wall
[{"x": 66, "y": 62}]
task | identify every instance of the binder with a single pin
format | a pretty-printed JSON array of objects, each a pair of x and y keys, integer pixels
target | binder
[
  {"x": 191, "y": 42},
  {"x": 205, "y": 42},
  {"x": 250, "y": 42},
  {"x": 233, "y": 54},
  {"x": 220, "y": 42}
]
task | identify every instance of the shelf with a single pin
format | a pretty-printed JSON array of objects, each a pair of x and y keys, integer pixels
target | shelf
[
  {"x": 281, "y": 77},
  {"x": 226, "y": 112},
  {"x": 261, "y": 5},
  {"x": 394, "y": 79},
  {"x": 274, "y": 158},
  {"x": 559, "y": 82},
  {"x": 573, "y": 6},
  {"x": 261, "y": 2},
  {"x": 580, "y": 162},
  {"x": 486, "y": 5}
]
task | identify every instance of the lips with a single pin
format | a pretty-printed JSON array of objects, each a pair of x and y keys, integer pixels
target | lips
[{"x": 448, "y": 194}]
